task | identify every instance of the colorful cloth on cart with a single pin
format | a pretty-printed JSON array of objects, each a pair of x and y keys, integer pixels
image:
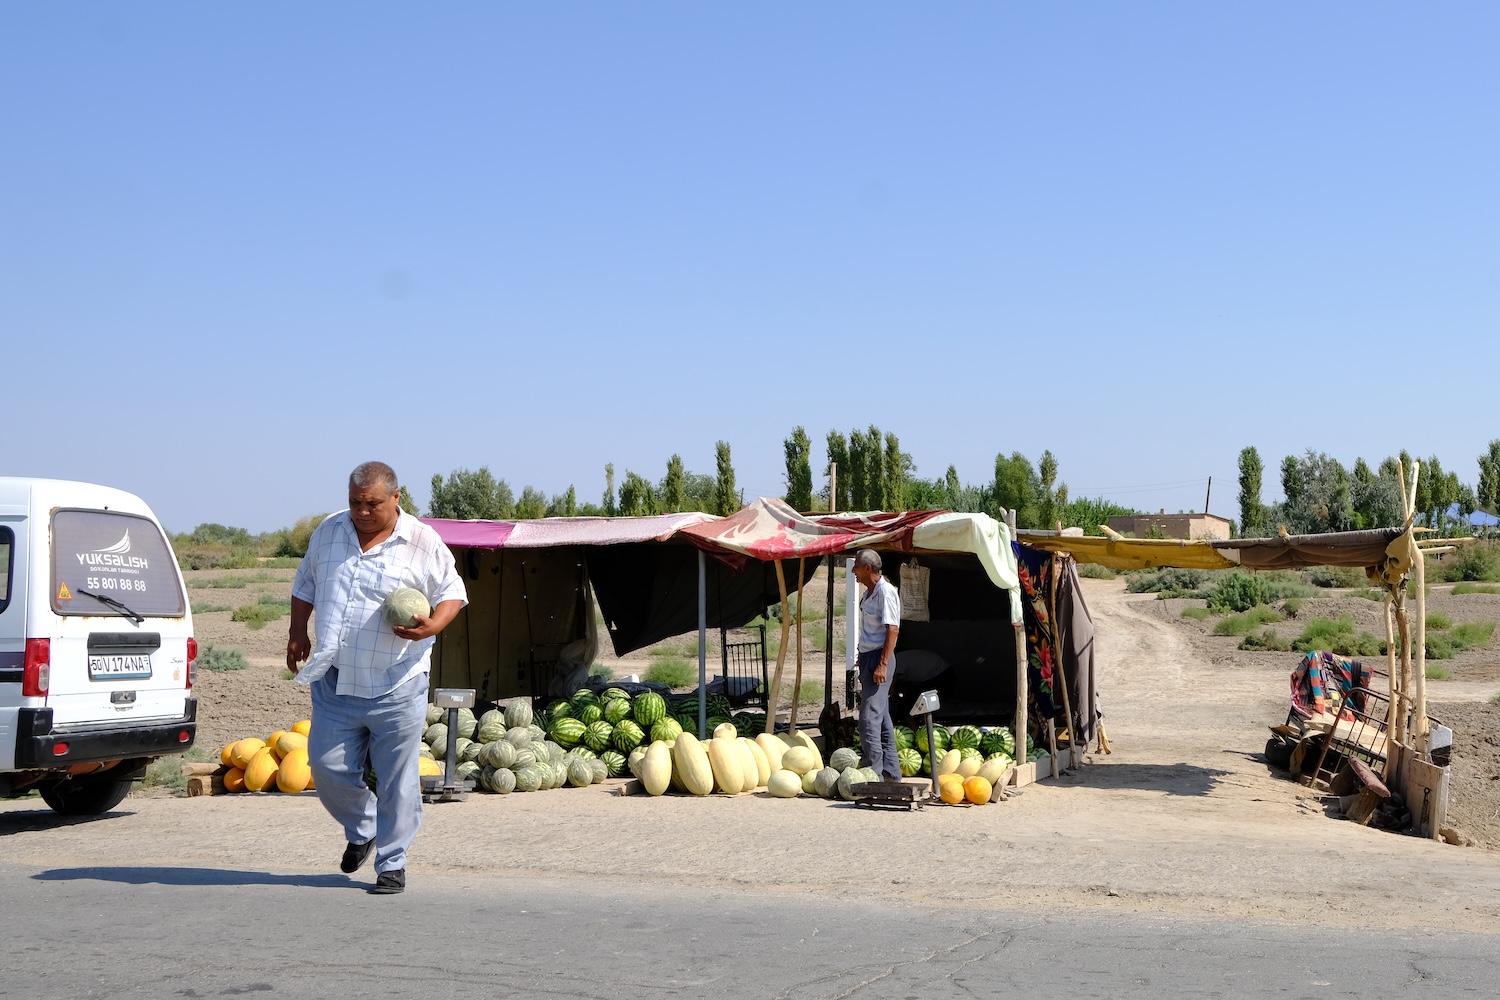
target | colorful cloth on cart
[
  {"x": 1322, "y": 679},
  {"x": 1035, "y": 569}
]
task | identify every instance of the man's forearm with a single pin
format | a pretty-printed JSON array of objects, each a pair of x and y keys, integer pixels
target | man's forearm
[
  {"x": 301, "y": 613},
  {"x": 888, "y": 653},
  {"x": 444, "y": 613}
]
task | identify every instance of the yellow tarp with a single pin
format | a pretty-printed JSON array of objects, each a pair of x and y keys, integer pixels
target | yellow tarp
[{"x": 1133, "y": 553}]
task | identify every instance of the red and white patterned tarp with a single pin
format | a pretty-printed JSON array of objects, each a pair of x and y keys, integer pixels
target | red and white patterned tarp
[{"x": 554, "y": 531}]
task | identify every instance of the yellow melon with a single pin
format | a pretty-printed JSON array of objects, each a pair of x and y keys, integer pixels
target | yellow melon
[
  {"x": 261, "y": 774},
  {"x": 427, "y": 766},
  {"x": 977, "y": 790},
  {"x": 241, "y": 753},
  {"x": 304, "y": 727},
  {"x": 290, "y": 742},
  {"x": 234, "y": 779},
  {"x": 951, "y": 788},
  {"x": 224, "y": 757},
  {"x": 273, "y": 739},
  {"x": 293, "y": 775}
]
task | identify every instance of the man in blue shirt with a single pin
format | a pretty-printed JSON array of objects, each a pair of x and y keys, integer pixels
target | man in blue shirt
[
  {"x": 369, "y": 679},
  {"x": 879, "y": 623}
]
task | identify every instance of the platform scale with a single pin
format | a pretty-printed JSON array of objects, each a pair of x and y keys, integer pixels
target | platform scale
[
  {"x": 899, "y": 794},
  {"x": 448, "y": 786}
]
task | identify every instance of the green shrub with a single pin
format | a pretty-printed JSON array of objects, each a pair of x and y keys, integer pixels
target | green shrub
[
  {"x": 1246, "y": 623},
  {"x": 1291, "y": 606},
  {"x": 294, "y": 543},
  {"x": 1336, "y": 576},
  {"x": 281, "y": 562},
  {"x": 1473, "y": 635},
  {"x": 1440, "y": 647},
  {"x": 1239, "y": 591},
  {"x": 221, "y": 582},
  {"x": 1369, "y": 594},
  {"x": 1267, "y": 640},
  {"x": 810, "y": 694},
  {"x": 1495, "y": 699},
  {"x": 600, "y": 670},
  {"x": 218, "y": 660},
  {"x": 1093, "y": 571},
  {"x": 1336, "y": 637},
  {"x": 1474, "y": 588},
  {"x": 672, "y": 671},
  {"x": 1437, "y": 621},
  {"x": 1439, "y": 673},
  {"x": 203, "y": 609},
  {"x": 1197, "y": 614},
  {"x": 1174, "y": 580},
  {"x": 1480, "y": 561},
  {"x": 255, "y": 616}
]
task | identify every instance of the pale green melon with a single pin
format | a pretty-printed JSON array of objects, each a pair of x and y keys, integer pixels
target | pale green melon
[{"x": 403, "y": 605}]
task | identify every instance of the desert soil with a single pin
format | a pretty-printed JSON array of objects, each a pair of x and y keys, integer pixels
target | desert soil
[{"x": 1183, "y": 816}]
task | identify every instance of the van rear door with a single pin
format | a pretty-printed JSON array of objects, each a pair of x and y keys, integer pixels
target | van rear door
[{"x": 120, "y": 641}]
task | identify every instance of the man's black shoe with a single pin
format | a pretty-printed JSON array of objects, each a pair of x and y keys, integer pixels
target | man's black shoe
[
  {"x": 355, "y": 855},
  {"x": 390, "y": 882}
]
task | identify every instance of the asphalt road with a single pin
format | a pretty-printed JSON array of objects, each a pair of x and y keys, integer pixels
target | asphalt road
[{"x": 95, "y": 932}]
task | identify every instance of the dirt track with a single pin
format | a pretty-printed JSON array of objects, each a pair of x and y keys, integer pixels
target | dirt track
[{"x": 1182, "y": 818}]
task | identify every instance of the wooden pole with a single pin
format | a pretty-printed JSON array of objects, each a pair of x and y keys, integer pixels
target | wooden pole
[
  {"x": 1419, "y": 671},
  {"x": 774, "y": 695},
  {"x": 1019, "y": 720},
  {"x": 833, "y": 494},
  {"x": 1393, "y": 713},
  {"x": 797, "y": 682}
]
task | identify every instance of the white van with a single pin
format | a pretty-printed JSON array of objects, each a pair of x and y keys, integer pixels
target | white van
[{"x": 96, "y": 644}]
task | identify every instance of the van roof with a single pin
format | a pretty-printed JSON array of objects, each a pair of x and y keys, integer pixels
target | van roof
[{"x": 44, "y": 494}]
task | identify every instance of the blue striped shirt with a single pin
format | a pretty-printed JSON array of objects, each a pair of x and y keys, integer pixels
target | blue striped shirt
[{"x": 347, "y": 588}]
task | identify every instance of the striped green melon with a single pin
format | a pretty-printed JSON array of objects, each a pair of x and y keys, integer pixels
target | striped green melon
[
  {"x": 425, "y": 751},
  {"x": 827, "y": 783},
  {"x": 688, "y": 721},
  {"x": 665, "y": 729},
  {"x": 590, "y": 714},
  {"x": 910, "y": 761},
  {"x": 525, "y": 757},
  {"x": 469, "y": 750},
  {"x": 518, "y": 737},
  {"x": 568, "y": 732},
  {"x": 580, "y": 774},
  {"x": 601, "y": 769},
  {"x": 503, "y": 781},
  {"x": 649, "y": 709},
  {"x": 402, "y": 606},
  {"x": 541, "y": 720},
  {"x": 434, "y": 715},
  {"x": 966, "y": 753},
  {"x": 939, "y": 736},
  {"x": 436, "y": 734},
  {"x": 719, "y": 705},
  {"x": 498, "y": 754},
  {"x": 966, "y": 736},
  {"x": 467, "y": 724},
  {"x": 997, "y": 741},
  {"x": 491, "y": 726},
  {"x": 528, "y": 779},
  {"x": 468, "y": 769},
  {"x": 583, "y": 752},
  {"x": 518, "y": 713},
  {"x": 614, "y": 692},
  {"x": 597, "y": 736},
  {"x": 614, "y": 763},
  {"x": 905, "y": 738},
  {"x": 582, "y": 697},
  {"x": 627, "y": 736},
  {"x": 560, "y": 710},
  {"x": 843, "y": 758},
  {"x": 616, "y": 709}
]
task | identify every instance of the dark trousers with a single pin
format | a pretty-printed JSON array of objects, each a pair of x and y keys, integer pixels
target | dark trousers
[{"x": 877, "y": 734}]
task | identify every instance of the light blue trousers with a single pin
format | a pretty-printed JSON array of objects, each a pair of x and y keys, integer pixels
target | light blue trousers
[{"x": 388, "y": 729}]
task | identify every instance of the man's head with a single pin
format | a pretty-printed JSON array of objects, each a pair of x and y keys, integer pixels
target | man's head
[
  {"x": 867, "y": 567},
  {"x": 374, "y": 498}
]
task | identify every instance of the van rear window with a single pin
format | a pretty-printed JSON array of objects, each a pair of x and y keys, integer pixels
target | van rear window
[
  {"x": 101, "y": 554},
  {"x": 7, "y": 546}
]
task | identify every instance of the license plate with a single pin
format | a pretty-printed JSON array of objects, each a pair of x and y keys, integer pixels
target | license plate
[{"x": 120, "y": 668}]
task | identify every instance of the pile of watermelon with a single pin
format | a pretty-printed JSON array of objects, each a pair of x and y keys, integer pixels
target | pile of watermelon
[
  {"x": 970, "y": 741},
  {"x": 505, "y": 750}
]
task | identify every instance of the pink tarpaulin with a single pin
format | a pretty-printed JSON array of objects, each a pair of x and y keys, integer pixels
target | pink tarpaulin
[
  {"x": 557, "y": 531},
  {"x": 768, "y": 529}
]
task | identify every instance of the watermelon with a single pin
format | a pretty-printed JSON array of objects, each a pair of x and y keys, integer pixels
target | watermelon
[
  {"x": 649, "y": 709},
  {"x": 403, "y": 605},
  {"x": 567, "y": 733},
  {"x": 688, "y": 721},
  {"x": 590, "y": 714},
  {"x": 848, "y": 778},
  {"x": 503, "y": 781},
  {"x": 525, "y": 757},
  {"x": 518, "y": 713},
  {"x": 541, "y": 720},
  {"x": 1000, "y": 755},
  {"x": 497, "y": 754},
  {"x": 826, "y": 782},
  {"x": 582, "y": 697},
  {"x": 580, "y": 774},
  {"x": 718, "y": 705},
  {"x": 528, "y": 779},
  {"x": 436, "y": 737},
  {"x": 597, "y": 736},
  {"x": 965, "y": 736},
  {"x": 905, "y": 738},
  {"x": 468, "y": 769},
  {"x": 616, "y": 709},
  {"x": 518, "y": 737},
  {"x": 491, "y": 726},
  {"x": 966, "y": 753},
  {"x": 614, "y": 693},
  {"x": 997, "y": 741},
  {"x": 627, "y": 736},
  {"x": 910, "y": 761},
  {"x": 468, "y": 750},
  {"x": 665, "y": 729},
  {"x": 614, "y": 763},
  {"x": 939, "y": 736},
  {"x": 583, "y": 752},
  {"x": 843, "y": 758},
  {"x": 560, "y": 710}
]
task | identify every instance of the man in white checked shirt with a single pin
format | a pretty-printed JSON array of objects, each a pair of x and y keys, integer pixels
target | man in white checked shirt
[{"x": 368, "y": 678}]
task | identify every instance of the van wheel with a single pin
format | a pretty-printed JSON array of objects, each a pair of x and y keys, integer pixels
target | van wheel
[{"x": 86, "y": 796}]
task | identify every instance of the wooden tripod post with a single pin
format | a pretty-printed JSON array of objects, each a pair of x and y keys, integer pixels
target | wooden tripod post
[{"x": 773, "y": 695}]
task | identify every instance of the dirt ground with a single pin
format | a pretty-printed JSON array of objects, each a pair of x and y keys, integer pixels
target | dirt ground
[{"x": 1183, "y": 817}]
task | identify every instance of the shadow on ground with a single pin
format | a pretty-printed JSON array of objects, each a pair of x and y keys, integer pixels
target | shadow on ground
[
  {"x": 1172, "y": 779},
  {"x": 12, "y": 823},
  {"x": 192, "y": 876}
]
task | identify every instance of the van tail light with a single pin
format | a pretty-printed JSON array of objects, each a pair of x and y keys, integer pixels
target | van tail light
[
  {"x": 192, "y": 670},
  {"x": 36, "y": 677}
]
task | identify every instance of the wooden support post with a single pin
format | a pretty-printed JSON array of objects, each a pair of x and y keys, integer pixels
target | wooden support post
[
  {"x": 774, "y": 695},
  {"x": 1022, "y": 695},
  {"x": 797, "y": 682},
  {"x": 1393, "y": 712},
  {"x": 1419, "y": 671}
]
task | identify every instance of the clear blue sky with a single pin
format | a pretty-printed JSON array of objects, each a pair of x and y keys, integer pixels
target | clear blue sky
[{"x": 244, "y": 247}]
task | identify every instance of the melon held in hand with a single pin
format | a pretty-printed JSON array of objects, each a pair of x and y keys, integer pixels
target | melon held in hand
[{"x": 404, "y": 605}]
